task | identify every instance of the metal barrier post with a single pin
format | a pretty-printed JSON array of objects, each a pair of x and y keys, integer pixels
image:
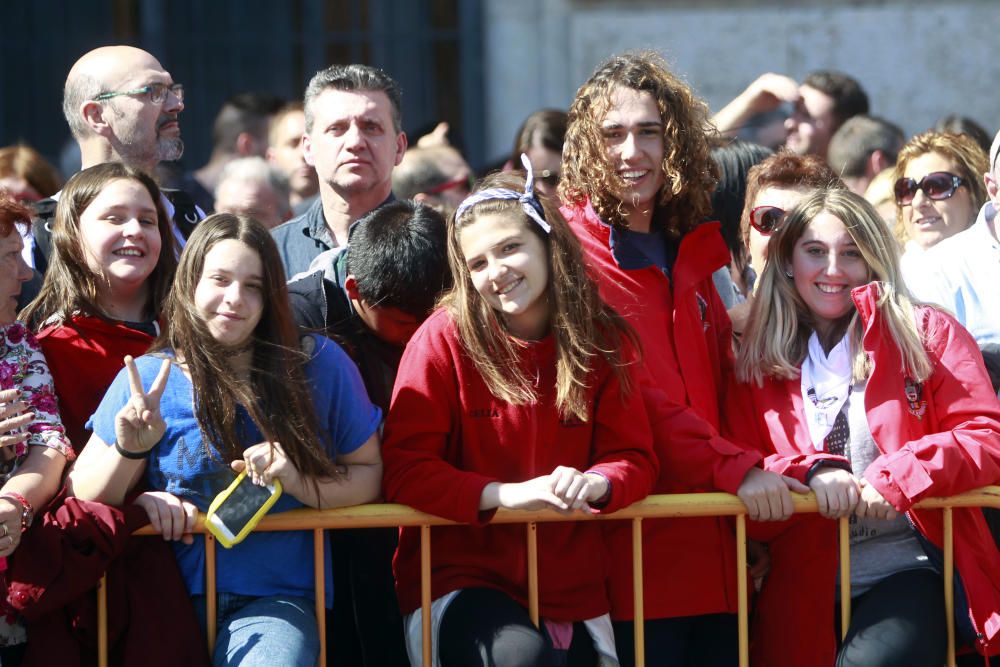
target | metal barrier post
[
  {"x": 210, "y": 593},
  {"x": 949, "y": 583},
  {"x": 425, "y": 591},
  {"x": 743, "y": 605},
  {"x": 102, "y": 622},
  {"x": 532, "y": 529},
  {"x": 319, "y": 575},
  {"x": 639, "y": 611},
  {"x": 845, "y": 574}
]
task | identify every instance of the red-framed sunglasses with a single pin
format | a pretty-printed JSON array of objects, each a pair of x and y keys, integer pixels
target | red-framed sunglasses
[
  {"x": 937, "y": 185},
  {"x": 767, "y": 219},
  {"x": 467, "y": 181}
]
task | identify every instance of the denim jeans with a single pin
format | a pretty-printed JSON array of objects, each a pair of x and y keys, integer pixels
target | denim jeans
[{"x": 263, "y": 631}]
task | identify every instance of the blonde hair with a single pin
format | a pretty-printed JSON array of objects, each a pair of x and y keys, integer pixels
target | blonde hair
[
  {"x": 970, "y": 160},
  {"x": 583, "y": 326},
  {"x": 776, "y": 339}
]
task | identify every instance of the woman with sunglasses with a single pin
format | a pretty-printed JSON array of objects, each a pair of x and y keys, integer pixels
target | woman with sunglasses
[
  {"x": 938, "y": 189},
  {"x": 773, "y": 187},
  {"x": 876, "y": 403}
]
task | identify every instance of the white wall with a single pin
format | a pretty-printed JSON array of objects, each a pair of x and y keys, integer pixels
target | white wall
[{"x": 917, "y": 59}]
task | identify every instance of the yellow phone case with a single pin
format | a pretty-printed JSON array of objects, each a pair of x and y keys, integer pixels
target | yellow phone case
[{"x": 250, "y": 525}]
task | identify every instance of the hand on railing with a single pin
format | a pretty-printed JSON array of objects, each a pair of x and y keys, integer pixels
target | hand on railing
[
  {"x": 169, "y": 516},
  {"x": 836, "y": 490},
  {"x": 766, "y": 495},
  {"x": 564, "y": 489},
  {"x": 873, "y": 505}
]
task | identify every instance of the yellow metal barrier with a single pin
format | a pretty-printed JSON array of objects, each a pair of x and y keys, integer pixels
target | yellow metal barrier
[{"x": 653, "y": 507}]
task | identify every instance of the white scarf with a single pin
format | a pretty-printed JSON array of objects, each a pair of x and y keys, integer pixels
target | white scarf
[{"x": 829, "y": 378}]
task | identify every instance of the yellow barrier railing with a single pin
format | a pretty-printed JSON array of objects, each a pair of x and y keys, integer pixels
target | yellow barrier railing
[{"x": 653, "y": 507}]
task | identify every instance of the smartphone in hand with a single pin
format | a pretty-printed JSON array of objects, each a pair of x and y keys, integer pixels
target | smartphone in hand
[{"x": 236, "y": 511}]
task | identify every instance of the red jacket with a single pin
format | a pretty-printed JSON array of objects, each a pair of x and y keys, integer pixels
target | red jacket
[
  {"x": 447, "y": 437},
  {"x": 945, "y": 442},
  {"x": 84, "y": 355},
  {"x": 687, "y": 353},
  {"x": 56, "y": 568}
]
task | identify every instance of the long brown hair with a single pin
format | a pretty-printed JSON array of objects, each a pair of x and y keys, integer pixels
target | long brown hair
[
  {"x": 584, "y": 327},
  {"x": 276, "y": 397},
  {"x": 70, "y": 285},
  {"x": 689, "y": 172}
]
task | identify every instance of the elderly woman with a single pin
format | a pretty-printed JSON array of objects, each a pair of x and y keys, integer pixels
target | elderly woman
[
  {"x": 33, "y": 444},
  {"x": 939, "y": 189}
]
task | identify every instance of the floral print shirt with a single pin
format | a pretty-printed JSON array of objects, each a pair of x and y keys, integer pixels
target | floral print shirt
[{"x": 23, "y": 367}]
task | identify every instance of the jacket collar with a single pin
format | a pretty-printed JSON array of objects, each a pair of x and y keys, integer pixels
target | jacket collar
[{"x": 702, "y": 250}]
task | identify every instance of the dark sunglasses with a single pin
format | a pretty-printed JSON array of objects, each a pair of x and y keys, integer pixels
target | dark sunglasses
[
  {"x": 767, "y": 219},
  {"x": 936, "y": 185}
]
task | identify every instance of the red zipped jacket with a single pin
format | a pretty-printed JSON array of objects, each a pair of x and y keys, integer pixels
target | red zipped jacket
[
  {"x": 686, "y": 341},
  {"x": 940, "y": 440},
  {"x": 447, "y": 437}
]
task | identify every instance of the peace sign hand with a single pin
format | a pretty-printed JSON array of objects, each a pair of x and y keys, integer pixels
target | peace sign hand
[{"x": 138, "y": 425}]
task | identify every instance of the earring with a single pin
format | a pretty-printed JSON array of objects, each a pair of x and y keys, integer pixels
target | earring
[{"x": 788, "y": 272}]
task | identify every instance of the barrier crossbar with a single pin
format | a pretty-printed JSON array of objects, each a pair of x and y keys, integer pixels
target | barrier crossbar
[{"x": 653, "y": 507}]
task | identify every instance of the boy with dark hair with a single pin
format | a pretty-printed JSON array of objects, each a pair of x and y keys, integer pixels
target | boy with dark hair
[{"x": 370, "y": 297}]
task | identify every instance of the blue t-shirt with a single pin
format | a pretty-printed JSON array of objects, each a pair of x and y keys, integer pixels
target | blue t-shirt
[{"x": 265, "y": 563}]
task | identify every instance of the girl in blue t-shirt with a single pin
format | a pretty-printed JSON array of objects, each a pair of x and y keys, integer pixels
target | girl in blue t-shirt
[{"x": 230, "y": 387}]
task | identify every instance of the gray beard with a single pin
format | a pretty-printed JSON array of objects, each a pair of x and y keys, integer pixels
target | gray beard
[{"x": 170, "y": 149}]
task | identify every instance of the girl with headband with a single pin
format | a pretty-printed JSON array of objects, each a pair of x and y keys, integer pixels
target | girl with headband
[{"x": 519, "y": 392}]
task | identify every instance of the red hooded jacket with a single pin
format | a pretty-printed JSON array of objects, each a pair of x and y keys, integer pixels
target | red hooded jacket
[
  {"x": 943, "y": 442},
  {"x": 687, "y": 355}
]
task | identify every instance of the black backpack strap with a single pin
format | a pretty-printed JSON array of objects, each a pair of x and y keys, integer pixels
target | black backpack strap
[
  {"x": 41, "y": 231},
  {"x": 186, "y": 214}
]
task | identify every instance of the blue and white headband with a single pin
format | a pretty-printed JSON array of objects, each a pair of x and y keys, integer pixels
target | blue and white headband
[{"x": 529, "y": 202}]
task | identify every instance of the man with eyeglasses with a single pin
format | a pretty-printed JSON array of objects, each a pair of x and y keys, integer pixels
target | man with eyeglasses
[{"x": 121, "y": 106}]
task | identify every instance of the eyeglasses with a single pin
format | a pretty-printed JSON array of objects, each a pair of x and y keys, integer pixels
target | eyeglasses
[
  {"x": 936, "y": 185},
  {"x": 767, "y": 219},
  {"x": 467, "y": 181},
  {"x": 157, "y": 92}
]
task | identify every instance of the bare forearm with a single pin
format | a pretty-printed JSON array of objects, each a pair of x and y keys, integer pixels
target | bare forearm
[
  {"x": 361, "y": 483},
  {"x": 103, "y": 475},
  {"x": 38, "y": 477}
]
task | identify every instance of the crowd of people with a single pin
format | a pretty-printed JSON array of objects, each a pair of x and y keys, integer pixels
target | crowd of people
[{"x": 645, "y": 299}]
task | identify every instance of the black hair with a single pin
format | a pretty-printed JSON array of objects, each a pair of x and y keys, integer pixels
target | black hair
[
  {"x": 849, "y": 98},
  {"x": 859, "y": 137},
  {"x": 244, "y": 112},
  {"x": 734, "y": 159},
  {"x": 354, "y": 78},
  {"x": 549, "y": 125},
  {"x": 957, "y": 124},
  {"x": 398, "y": 255}
]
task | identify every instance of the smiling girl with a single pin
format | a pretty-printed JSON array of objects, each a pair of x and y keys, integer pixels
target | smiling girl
[
  {"x": 230, "y": 389},
  {"x": 111, "y": 267},
  {"x": 876, "y": 403},
  {"x": 518, "y": 393}
]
